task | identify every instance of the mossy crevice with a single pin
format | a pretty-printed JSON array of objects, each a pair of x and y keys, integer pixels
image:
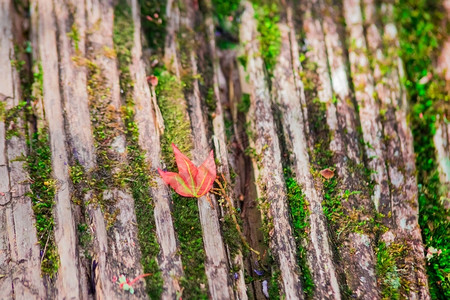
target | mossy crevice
[
  {"x": 38, "y": 162},
  {"x": 391, "y": 264},
  {"x": 267, "y": 14},
  {"x": 42, "y": 194},
  {"x": 104, "y": 115},
  {"x": 299, "y": 210},
  {"x": 225, "y": 14}
]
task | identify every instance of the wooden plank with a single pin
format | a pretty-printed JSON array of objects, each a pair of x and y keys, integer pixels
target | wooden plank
[
  {"x": 65, "y": 235},
  {"x": 267, "y": 165},
  {"x": 149, "y": 140},
  {"x": 403, "y": 223},
  {"x": 287, "y": 96}
]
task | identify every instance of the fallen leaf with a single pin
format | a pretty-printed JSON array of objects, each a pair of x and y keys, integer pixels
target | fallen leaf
[
  {"x": 327, "y": 173},
  {"x": 190, "y": 181}
]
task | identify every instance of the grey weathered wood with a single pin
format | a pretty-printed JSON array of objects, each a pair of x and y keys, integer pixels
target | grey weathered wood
[
  {"x": 358, "y": 267},
  {"x": 399, "y": 149},
  {"x": 65, "y": 235},
  {"x": 20, "y": 255},
  {"x": 288, "y": 97},
  {"x": 369, "y": 112},
  {"x": 220, "y": 145},
  {"x": 119, "y": 246},
  {"x": 267, "y": 166}
]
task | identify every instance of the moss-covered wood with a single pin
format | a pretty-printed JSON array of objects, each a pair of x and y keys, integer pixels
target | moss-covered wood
[{"x": 328, "y": 121}]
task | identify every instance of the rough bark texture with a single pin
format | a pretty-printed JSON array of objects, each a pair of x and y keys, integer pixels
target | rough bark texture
[
  {"x": 315, "y": 139},
  {"x": 19, "y": 258}
]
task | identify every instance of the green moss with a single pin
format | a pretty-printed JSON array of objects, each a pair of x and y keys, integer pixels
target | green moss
[
  {"x": 244, "y": 105},
  {"x": 153, "y": 22},
  {"x": 390, "y": 262},
  {"x": 225, "y": 14},
  {"x": 38, "y": 81},
  {"x": 74, "y": 35},
  {"x": 18, "y": 64},
  {"x": 38, "y": 161},
  {"x": 137, "y": 171},
  {"x": 187, "y": 225},
  {"x": 299, "y": 213},
  {"x": 2, "y": 111},
  {"x": 105, "y": 129},
  {"x": 274, "y": 286},
  {"x": 42, "y": 194},
  {"x": 230, "y": 234},
  {"x": 421, "y": 33},
  {"x": 169, "y": 92},
  {"x": 268, "y": 15},
  {"x": 210, "y": 100},
  {"x": 11, "y": 118}
]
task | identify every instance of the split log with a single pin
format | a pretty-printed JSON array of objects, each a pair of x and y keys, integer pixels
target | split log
[
  {"x": 20, "y": 260},
  {"x": 267, "y": 159},
  {"x": 65, "y": 234},
  {"x": 287, "y": 91},
  {"x": 403, "y": 215},
  {"x": 149, "y": 140}
]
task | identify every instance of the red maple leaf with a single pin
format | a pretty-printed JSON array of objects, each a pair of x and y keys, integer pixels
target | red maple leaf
[{"x": 190, "y": 181}]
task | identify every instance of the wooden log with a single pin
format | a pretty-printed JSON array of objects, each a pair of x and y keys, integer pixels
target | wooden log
[
  {"x": 267, "y": 159},
  {"x": 20, "y": 260},
  {"x": 65, "y": 234},
  {"x": 403, "y": 223},
  {"x": 216, "y": 263},
  {"x": 149, "y": 140},
  {"x": 355, "y": 252},
  {"x": 287, "y": 95},
  {"x": 117, "y": 238},
  {"x": 221, "y": 149}
]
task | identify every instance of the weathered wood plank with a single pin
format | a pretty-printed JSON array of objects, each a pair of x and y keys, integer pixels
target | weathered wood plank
[
  {"x": 221, "y": 149},
  {"x": 288, "y": 97},
  {"x": 399, "y": 153},
  {"x": 65, "y": 235},
  {"x": 20, "y": 255},
  {"x": 356, "y": 255},
  {"x": 118, "y": 243},
  {"x": 216, "y": 263},
  {"x": 149, "y": 141},
  {"x": 267, "y": 160}
]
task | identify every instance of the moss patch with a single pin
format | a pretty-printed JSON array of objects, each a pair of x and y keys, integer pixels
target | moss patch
[
  {"x": 42, "y": 194},
  {"x": 267, "y": 14},
  {"x": 169, "y": 92},
  {"x": 388, "y": 273},
  {"x": 299, "y": 209}
]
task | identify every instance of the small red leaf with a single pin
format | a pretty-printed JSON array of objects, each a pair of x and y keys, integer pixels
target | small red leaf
[{"x": 191, "y": 181}]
